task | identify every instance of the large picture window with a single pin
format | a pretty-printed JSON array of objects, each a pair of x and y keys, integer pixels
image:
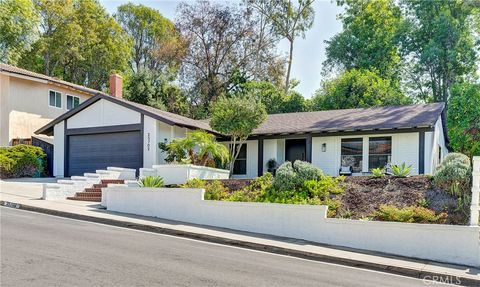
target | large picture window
[
  {"x": 380, "y": 152},
  {"x": 55, "y": 99},
  {"x": 352, "y": 153},
  {"x": 240, "y": 165}
]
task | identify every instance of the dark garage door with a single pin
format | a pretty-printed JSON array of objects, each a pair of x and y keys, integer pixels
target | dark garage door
[{"x": 87, "y": 153}]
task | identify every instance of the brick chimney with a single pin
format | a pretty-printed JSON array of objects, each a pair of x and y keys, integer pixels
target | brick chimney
[{"x": 115, "y": 85}]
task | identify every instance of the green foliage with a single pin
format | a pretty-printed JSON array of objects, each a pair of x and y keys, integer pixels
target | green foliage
[
  {"x": 237, "y": 117},
  {"x": 357, "y": 89},
  {"x": 200, "y": 146},
  {"x": 440, "y": 42},
  {"x": 151, "y": 181},
  {"x": 401, "y": 170},
  {"x": 463, "y": 119},
  {"x": 369, "y": 39},
  {"x": 453, "y": 174},
  {"x": 79, "y": 42},
  {"x": 292, "y": 177},
  {"x": 214, "y": 190},
  {"x": 412, "y": 214},
  {"x": 18, "y": 22},
  {"x": 256, "y": 191},
  {"x": 378, "y": 172},
  {"x": 22, "y": 160}
]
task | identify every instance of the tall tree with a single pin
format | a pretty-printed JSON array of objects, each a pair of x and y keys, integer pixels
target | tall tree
[
  {"x": 288, "y": 20},
  {"x": 222, "y": 45},
  {"x": 79, "y": 42},
  {"x": 156, "y": 43},
  {"x": 369, "y": 39},
  {"x": 18, "y": 26},
  {"x": 357, "y": 89},
  {"x": 439, "y": 38}
]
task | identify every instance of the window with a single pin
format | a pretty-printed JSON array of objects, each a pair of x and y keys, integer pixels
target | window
[
  {"x": 72, "y": 102},
  {"x": 352, "y": 153},
  {"x": 379, "y": 152},
  {"x": 240, "y": 165},
  {"x": 55, "y": 99}
]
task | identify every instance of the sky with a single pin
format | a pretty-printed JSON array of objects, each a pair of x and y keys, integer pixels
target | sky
[{"x": 308, "y": 54}]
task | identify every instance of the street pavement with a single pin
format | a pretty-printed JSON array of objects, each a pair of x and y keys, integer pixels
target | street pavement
[{"x": 43, "y": 250}]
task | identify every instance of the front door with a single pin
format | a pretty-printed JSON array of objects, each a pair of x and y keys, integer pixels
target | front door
[{"x": 295, "y": 149}]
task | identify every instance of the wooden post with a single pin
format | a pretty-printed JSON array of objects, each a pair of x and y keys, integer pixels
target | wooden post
[{"x": 475, "y": 206}]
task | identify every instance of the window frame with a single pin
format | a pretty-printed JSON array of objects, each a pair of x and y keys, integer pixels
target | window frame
[
  {"x": 244, "y": 145},
  {"x": 73, "y": 102},
  {"x": 57, "y": 93},
  {"x": 361, "y": 155},
  {"x": 389, "y": 155}
]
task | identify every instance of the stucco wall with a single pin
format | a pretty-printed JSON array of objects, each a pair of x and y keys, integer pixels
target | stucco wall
[
  {"x": 59, "y": 149},
  {"x": 445, "y": 243},
  {"x": 26, "y": 103},
  {"x": 433, "y": 141}
]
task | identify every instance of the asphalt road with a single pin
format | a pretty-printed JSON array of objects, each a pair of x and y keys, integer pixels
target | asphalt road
[{"x": 42, "y": 250}]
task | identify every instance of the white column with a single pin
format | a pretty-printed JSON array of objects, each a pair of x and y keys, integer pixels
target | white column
[{"x": 475, "y": 206}]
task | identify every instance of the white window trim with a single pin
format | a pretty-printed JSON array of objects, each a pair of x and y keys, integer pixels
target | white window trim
[
  {"x": 48, "y": 99},
  {"x": 73, "y": 100}
]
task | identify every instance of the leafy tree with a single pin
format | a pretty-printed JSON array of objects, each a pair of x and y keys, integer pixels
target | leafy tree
[
  {"x": 18, "y": 26},
  {"x": 439, "y": 38},
  {"x": 288, "y": 20},
  {"x": 357, "y": 89},
  {"x": 223, "y": 44},
  {"x": 140, "y": 88},
  {"x": 369, "y": 39},
  {"x": 156, "y": 42},
  {"x": 79, "y": 42},
  {"x": 237, "y": 117},
  {"x": 463, "y": 119}
]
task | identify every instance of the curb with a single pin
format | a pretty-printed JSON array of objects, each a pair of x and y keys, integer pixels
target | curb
[{"x": 405, "y": 271}]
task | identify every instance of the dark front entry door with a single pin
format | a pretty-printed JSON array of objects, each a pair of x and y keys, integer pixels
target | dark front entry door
[
  {"x": 295, "y": 149},
  {"x": 87, "y": 153}
]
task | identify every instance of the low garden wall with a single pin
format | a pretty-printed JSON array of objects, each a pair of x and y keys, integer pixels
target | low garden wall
[
  {"x": 181, "y": 173},
  {"x": 444, "y": 243}
]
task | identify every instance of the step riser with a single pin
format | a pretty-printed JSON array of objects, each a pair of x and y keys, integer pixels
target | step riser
[{"x": 95, "y": 193}]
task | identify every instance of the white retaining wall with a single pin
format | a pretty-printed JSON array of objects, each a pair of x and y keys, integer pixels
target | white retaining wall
[
  {"x": 181, "y": 173},
  {"x": 444, "y": 243}
]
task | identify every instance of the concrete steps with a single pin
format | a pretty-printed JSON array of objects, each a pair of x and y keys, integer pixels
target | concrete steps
[{"x": 94, "y": 193}]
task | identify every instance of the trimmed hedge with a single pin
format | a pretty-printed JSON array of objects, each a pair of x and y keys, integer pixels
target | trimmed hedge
[{"x": 22, "y": 161}]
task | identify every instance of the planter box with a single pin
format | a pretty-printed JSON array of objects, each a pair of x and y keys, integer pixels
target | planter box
[{"x": 181, "y": 173}]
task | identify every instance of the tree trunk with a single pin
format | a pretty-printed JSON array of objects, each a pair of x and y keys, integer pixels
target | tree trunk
[{"x": 290, "y": 56}]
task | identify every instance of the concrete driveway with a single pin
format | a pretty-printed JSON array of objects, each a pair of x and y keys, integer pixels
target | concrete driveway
[{"x": 26, "y": 187}]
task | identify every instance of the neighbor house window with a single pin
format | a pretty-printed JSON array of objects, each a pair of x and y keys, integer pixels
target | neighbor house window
[
  {"x": 379, "y": 152},
  {"x": 72, "y": 102},
  {"x": 352, "y": 153},
  {"x": 240, "y": 165},
  {"x": 55, "y": 99}
]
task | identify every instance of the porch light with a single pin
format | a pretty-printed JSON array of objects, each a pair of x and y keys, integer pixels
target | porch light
[{"x": 324, "y": 147}]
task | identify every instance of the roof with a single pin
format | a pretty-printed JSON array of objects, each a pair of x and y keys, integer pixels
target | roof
[
  {"x": 377, "y": 118},
  {"x": 389, "y": 117},
  {"x": 163, "y": 116},
  {"x": 19, "y": 71}
]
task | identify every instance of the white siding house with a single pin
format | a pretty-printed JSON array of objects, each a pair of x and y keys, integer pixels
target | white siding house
[{"x": 107, "y": 131}]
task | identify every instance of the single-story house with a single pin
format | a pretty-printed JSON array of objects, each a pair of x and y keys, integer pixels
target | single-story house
[{"x": 108, "y": 131}]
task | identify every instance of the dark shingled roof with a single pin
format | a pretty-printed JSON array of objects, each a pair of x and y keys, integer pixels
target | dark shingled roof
[{"x": 391, "y": 117}]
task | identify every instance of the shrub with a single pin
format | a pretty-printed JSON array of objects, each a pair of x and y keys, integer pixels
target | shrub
[
  {"x": 22, "y": 160},
  {"x": 401, "y": 170},
  {"x": 290, "y": 177},
  {"x": 214, "y": 190},
  {"x": 453, "y": 174},
  {"x": 255, "y": 191},
  {"x": 151, "y": 181},
  {"x": 413, "y": 214},
  {"x": 377, "y": 172}
]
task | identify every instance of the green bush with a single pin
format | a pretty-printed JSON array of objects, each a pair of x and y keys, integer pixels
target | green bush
[
  {"x": 151, "y": 181},
  {"x": 256, "y": 191},
  {"x": 401, "y": 170},
  {"x": 412, "y": 214},
  {"x": 214, "y": 190},
  {"x": 453, "y": 174},
  {"x": 22, "y": 160},
  {"x": 291, "y": 177}
]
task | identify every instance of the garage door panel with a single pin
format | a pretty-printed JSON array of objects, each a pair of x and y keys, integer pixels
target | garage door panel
[{"x": 88, "y": 153}]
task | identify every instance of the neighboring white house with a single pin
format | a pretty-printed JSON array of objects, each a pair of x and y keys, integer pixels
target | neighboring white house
[{"x": 107, "y": 131}]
